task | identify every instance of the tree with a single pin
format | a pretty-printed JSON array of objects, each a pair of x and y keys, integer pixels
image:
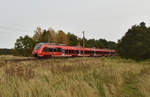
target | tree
[
  {"x": 52, "y": 36},
  {"x": 100, "y": 43},
  {"x": 91, "y": 43},
  {"x": 24, "y": 46},
  {"x": 37, "y": 34},
  {"x": 45, "y": 36},
  {"x": 110, "y": 45},
  {"x": 73, "y": 39},
  {"x": 136, "y": 43},
  {"x": 62, "y": 37}
]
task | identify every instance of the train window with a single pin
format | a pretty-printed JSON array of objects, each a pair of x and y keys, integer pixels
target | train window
[
  {"x": 50, "y": 49},
  {"x": 88, "y": 52},
  {"x": 72, "y": 51},
  {"x": 85, "y": 52},
  {"x": 69, "y": 51},
  {"x": 45, "y": 49},
  {"x": 100, "y": 52},
  {"x": 54, "y": 49},
  {"x": 58, "y": 49},
  {"x": 66, "y": 51},
  {"x": 105, "y": 52},
  {"x": 77, "y": 51},
  {"x": 93, "y": 52}
]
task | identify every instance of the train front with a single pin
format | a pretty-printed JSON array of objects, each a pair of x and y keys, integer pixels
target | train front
[{"x": 36, "y": 51}]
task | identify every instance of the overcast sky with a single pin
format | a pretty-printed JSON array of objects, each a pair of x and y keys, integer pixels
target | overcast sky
[{"x": 108, "y": 19}]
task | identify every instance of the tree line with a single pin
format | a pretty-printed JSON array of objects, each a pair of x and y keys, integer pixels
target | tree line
[
  {"x": 24, "y": 45},
  {"x": 135, "y": 44}
]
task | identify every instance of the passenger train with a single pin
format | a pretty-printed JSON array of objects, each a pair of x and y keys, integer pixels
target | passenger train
[{"x": 53, "y": 49}]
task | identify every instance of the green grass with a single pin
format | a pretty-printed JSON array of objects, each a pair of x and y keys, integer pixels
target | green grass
[{"x": 76, "y": 77}]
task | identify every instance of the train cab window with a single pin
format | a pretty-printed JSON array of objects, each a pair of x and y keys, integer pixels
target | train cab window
[
  {"x": 38, "y": 46},
  {"x": 45, "y": 49}
]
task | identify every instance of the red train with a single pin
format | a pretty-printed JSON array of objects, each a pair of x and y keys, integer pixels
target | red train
[{"x": 52, "y": 49}]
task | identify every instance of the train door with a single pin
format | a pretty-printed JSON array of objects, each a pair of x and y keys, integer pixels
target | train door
[
  {"x": 63, "y": 51},
  {"x": 79, "y": 52},
  {"x": 94, "y": 53}
]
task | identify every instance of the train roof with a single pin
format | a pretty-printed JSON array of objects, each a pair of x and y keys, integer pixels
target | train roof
[{"x": 73, "y": 47}]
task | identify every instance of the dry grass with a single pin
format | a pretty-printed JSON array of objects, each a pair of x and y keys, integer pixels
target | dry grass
[{"x": 76, "y": 77}]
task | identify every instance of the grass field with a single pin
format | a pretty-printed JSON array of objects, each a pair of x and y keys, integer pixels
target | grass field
[{"x": 75, "y": 77}]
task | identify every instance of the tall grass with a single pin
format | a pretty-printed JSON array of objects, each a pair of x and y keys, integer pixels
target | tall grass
[{"x": 77, "y": 77}]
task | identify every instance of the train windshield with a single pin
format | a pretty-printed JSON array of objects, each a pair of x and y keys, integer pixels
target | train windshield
[{"x": 37, "y": 47}]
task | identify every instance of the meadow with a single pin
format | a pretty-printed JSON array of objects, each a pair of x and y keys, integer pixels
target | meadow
[{"x": 75, "y": 77}]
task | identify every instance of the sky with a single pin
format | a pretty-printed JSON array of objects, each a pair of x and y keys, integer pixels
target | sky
[{"x": 106, "y": 19}]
